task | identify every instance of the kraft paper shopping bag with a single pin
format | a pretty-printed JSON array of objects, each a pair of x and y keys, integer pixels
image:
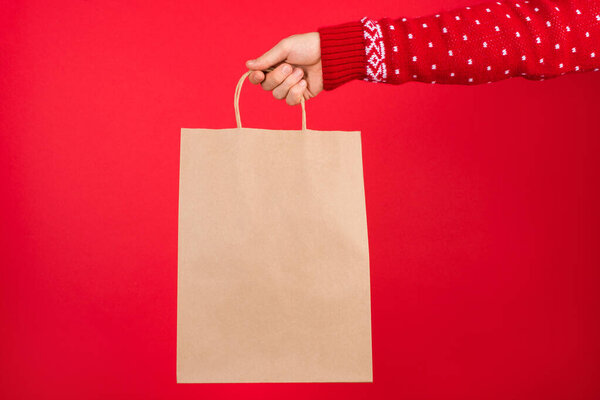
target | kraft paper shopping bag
[{"x": 273, "y": 258}]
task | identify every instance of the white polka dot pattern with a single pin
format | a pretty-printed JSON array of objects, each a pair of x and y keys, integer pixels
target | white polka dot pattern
[{"x": 535, "y": 39}]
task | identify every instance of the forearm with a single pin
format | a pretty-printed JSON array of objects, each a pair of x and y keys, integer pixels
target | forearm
[{"x": 536, "y": 39}]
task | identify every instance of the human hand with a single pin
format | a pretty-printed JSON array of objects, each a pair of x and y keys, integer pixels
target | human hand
[{"x": 292, "y": 59}]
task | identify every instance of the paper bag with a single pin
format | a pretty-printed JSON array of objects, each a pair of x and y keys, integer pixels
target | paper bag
[{"x": 273, "y": 258}]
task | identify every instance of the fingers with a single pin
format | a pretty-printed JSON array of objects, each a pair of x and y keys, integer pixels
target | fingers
[
  {"x": 296, "y": 93},
  {"x": 277, "y": 54},
  {"x": 276, "y": 77},
  {"x": 256, "y": 77},
  {"x": 281, "y": 91}
]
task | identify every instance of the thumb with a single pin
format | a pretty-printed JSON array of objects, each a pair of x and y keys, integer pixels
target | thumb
[{"x": 270, "y": 58}]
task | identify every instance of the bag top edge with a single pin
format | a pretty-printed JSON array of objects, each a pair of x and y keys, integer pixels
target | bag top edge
[{"x": 198, "y": 130}]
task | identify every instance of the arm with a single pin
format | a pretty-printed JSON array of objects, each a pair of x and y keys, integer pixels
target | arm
[{"x": 536, "y": 39}]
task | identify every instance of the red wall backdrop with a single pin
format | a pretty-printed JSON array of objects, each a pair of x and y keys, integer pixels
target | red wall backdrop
[{"x": 482, "y": 202}]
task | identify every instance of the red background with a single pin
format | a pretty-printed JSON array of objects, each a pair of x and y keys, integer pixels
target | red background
[{"x": 482, "y": 205}]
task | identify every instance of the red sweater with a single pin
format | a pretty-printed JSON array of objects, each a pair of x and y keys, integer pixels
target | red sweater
[{"x": 536, "y": 39}]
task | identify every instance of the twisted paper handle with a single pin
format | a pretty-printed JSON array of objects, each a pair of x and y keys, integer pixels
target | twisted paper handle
[{"x": 236, "y": 103}]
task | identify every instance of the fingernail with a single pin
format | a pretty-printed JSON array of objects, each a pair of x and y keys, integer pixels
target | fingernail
[
  {"x": 286, "y": 69},
  {"x": 298, "y": 72},
  {"x": 302, "y": 83},
  {"x": 249, "y": 62}
]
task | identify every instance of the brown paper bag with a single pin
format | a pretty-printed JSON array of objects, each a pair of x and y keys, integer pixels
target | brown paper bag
[{"x": 273, "y": 259}]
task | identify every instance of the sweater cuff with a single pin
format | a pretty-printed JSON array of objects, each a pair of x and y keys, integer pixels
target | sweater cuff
[{"x": 342, "y": 54}]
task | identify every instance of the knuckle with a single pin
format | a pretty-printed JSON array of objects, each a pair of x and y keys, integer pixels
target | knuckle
[
  {"x": 278, "y": 95},
  {"x": 285, "y": 42},
  {"x": 276, "y": 77},
  {"x": 284, "y": 70},
  {"x": 297, "y": 92}
]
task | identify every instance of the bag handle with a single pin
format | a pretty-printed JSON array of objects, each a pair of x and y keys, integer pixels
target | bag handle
[{"x": 236, "y": 103}]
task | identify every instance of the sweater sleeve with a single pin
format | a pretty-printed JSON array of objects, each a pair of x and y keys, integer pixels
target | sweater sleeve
[{"x": 535, "y": 39}]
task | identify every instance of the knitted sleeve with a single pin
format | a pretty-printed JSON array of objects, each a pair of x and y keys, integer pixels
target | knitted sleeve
[{"x": 535, "y": 39}]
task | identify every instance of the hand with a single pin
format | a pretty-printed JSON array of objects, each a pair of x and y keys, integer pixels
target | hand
[{"x": 294, "y": 58}]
